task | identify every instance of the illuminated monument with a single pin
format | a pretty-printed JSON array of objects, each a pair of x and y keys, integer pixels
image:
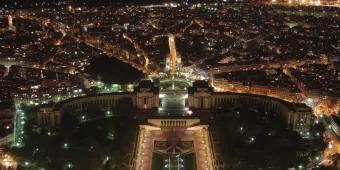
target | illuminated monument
[
  {"x": 174, "y": 144},
  {"x": 175, "y": 141}
]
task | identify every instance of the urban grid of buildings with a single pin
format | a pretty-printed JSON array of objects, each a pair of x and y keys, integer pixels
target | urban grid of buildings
[{"x": 204, "y": 68}]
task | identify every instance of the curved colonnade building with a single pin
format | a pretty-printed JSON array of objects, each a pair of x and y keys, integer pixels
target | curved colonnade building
[
  {"x": 145, "y": 96},
  {"x": 297, "y": 116},
  {"x": 201, "y": 97},
  {"x": 186, "y": 133}
]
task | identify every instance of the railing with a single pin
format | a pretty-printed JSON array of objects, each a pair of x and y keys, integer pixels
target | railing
[
  {"x": 173, "y": 123},
  {"x": 213, "y": 150},
  {"x": 134, "y": 152}
]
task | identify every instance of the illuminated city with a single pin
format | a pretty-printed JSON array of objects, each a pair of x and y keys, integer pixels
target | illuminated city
[{"x": 169, "y": 84}]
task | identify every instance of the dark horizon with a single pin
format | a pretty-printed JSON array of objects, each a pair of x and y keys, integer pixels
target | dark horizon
[{"x": 40, "y": 3}]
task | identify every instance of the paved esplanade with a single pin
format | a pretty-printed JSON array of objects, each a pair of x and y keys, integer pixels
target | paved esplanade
[{"x": 173, "y": 103}]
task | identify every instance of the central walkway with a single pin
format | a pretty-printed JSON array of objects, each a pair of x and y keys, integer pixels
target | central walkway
[
  {"x": 174, "y": 140},
  {"x": 173, "y": 103}
]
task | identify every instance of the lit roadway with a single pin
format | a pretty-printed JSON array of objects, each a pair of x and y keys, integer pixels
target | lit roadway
[
  {"x": 172, "y": 43},
  {"x": 261, "y": 66},
  {"x": 107, "y": 48},
  {"x": 173, "y": 54},
  {"x": 8, "y": 63},
  {"x": 138, "y": 49},
  {"x": 323, "y": 112},
  {"x": 111, "y": 49},
  {"x": 331, "y": 3},
  {"x": 124, "y": 56}
]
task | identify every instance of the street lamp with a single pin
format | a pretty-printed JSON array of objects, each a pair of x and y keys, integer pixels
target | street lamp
[
  {"x": 66, "y": 146},
  {"x": 26, "y": 163},
  {"x": 108, "y": 113},
  {"x": 69, "y": 165},
  {"x": 83, "y": 118}
]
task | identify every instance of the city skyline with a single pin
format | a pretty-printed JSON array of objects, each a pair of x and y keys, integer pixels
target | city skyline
[{"x": 155, "y": 85}]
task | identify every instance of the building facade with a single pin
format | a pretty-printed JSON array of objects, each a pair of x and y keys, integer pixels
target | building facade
[
  {"x": 48, "y": 117},
  {"x": 201, "y": 96},
  {"x": 298, "y": 116},
  {"x": 145, "y": 96}
]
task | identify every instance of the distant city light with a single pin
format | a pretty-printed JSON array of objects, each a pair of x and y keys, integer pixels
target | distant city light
[
  {"x": 66, "y": 145},
  {"x": 219, "y": 68}
]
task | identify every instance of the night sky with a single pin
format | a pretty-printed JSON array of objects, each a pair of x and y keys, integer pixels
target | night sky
[{"x": 31, "y": 3}]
